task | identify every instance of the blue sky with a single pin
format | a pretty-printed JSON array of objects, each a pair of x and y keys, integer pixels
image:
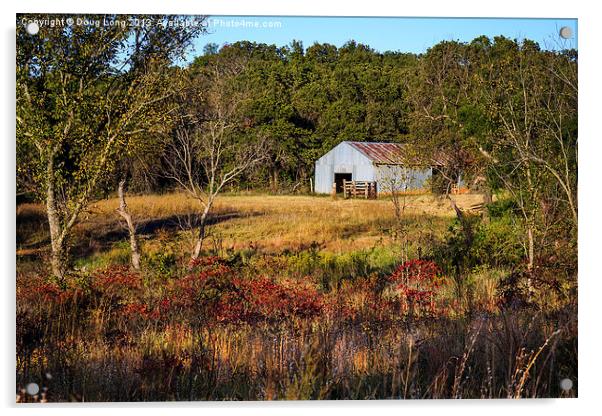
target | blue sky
[{"x": 406, "y": 34}]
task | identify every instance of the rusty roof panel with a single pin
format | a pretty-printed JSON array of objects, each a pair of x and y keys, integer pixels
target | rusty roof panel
[{"x": 385, "y": 153}]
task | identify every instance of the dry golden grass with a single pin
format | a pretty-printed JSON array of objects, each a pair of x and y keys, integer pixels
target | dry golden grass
[
  {"x": 271, "y": 222},
  {"x": 280, "y": 222}
]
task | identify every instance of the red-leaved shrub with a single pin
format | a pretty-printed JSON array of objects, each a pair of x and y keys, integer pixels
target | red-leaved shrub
[{"x": 419, "y": 283}]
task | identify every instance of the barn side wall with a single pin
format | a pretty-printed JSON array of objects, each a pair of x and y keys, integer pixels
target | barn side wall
[
  {"x": 343, "y": 158},
  {"x": 399, "y": 178}
]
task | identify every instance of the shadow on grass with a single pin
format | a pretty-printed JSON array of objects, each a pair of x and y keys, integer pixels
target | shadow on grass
[
  {"x": 92, "y": 239},
  {"x": 32, "y": 236},
  {"x": 412, "y": 224},
  {"x": 31, "y": 227}
]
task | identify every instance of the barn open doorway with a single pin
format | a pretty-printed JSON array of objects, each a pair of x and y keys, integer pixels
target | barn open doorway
[{"x": 338, "y": 180}]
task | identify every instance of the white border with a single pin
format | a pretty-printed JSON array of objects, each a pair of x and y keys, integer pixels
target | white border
[{"x": 590, "y": 342}]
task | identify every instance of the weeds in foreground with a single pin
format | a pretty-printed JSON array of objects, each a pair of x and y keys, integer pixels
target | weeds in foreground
[{"x": 221, "y": 331}]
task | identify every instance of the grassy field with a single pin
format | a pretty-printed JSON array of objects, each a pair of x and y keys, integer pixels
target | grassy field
[
  {"x": 271, "y": 223},
  {"x": 295, "y": 297}
]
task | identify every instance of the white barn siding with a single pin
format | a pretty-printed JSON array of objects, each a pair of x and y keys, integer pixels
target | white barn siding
[
  {"x": 401, "y": 178},
  {"x": 341, "y": 159}
]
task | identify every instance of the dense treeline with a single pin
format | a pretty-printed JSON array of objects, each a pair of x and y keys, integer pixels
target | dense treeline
[
  {"x": 449, "y": 100},
  {"x": 306, "y": 101}
]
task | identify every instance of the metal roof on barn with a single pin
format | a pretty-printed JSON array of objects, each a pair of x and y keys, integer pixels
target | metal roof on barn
[{"x": 381, "y": 153}]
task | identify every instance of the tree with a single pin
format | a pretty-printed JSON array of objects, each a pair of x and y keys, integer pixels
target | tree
[
  {"x": 83, "y": 92},
  {"x": 531, "y": 97},
  {"x": 440, "y": 95},
  {"x": 208, "y": 148},
  {"x": 125, "y": 214},
  {"x": 506, "y": 112}
]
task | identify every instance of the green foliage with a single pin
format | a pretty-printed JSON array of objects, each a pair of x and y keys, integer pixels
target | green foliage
[
  {"x": 495, "y": 243},
  {"x": 500, "y": 113},
  {"x": 333, "y": 269},
  {"x": 502, "y": 208},
  {"x": 83, "y": 95},
  {"x": 306, "y": 102},
  {"x": 492, "y": 110},
  {"x": 499, "y": 243},
  {"x": 162, "y": 263},
  {"x": 88, "y": 98}
]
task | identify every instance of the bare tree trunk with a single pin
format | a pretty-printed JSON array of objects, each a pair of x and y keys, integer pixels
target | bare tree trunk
[
  {"x": 57, "y": 242},
  {"x": 466, "y": 225},
  {"x": 531, "y": 254},
  {"x": 58, "y": 260},
  {"x": 274, "y": 179},
  {"x": 202, "y": 224},
  {"x": 531, "y": 248},
  {"x": 530, "y": 237},
  {"x": 396, "y": 204},
  {"x": 487, "y": 196},
  {"x": 123, "y": 211}
]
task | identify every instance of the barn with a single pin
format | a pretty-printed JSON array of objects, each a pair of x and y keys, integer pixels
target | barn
[{"x": 384, "y": 164}]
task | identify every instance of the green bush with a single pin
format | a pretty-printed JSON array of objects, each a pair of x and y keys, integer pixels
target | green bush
[
  {"x": 502, "y": 208},
  {"x": 162, "y": 262},
  {"x": 496, "y": 243}
]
